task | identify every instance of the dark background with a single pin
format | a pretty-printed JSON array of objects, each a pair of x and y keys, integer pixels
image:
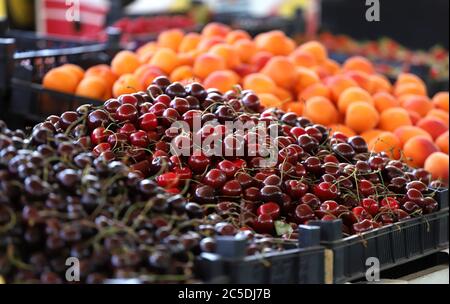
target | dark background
[{"x": 417, "y": 24}]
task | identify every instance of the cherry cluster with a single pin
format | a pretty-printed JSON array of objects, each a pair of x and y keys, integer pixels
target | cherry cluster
[
  {"x": 58, "y": 200},
  {"x": 316, "y": 176}
]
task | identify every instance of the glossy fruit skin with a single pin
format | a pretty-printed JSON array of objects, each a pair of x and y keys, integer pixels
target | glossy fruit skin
[
  {"x": 264, "y": 224},
  {"x": 140, "y": 139},
  {"x": 271, "y": 209},
  {"x": 168, "y": 180},
  {"x": 371, "y": 206},
  {"x": 215, "y": 178},
  {"x": 148, "y": 122},
  {"x": 326, "y": 191},
  {"x": 198, "y": 163}
]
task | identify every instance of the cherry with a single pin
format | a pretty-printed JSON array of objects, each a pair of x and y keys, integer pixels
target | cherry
[
  {"x": 311, "y": 200},
  {"x": 228, "y": 168},
  {"x": 371, "y": 206},
  {"x": 215, "y": 178},
  {"x": 297, "y": 132},
  {"x": 99, "y": 149},
  {"x": 429, "y": 205},
  {"x": 313, "y": 165},
  {"x": 328, "y": 207},
  {"x": 127, "y": 129},
  {"x": 414, "y": 195},
  {"x": 272, "y": 180},
  {"x": 314, "y": 133},
  {"x": 361, "y": 213},
  {"x": 344, "y": 151},
  {"x": 308, "y": 143},
  {"x": 271, "y": 194},
  {"x": 418, "y": 185},
  {"x": 232, "y": 188},
  {"x": 112, "y": 105},
  {"x": 127, "y": 112},
  {"x": 180, "y": 104},
  {"x": 363, "y": 226},
  {"x": 205, "y": 194},
  {"x": 168, "y": 180},
  {"x": 303, "y": 213},
  {"x": 96, "y": 119},
  {"x": 148, "y": 122},
  {"x": 390, "y": 203},
  {"x": 326, "y": 191},
  {"x": 271, "y": 209},
  {"x": 100, "y": 135},
  {"x": 358, "y": 144},
  {"x": 140, "y": 139},
  {"x": 366, "y": 188},
  {"x": 295, "y": 189},
  {"x": 128, "y": 99},
  {"x": 328, "y": 217},
  {"x": 348, "y": 218},
  {"x": 176, "y": 90},
  {"x": 410, "y": 207},
  {"x": 245, "y": 180},
  {"x": 264, "y": 224},
  {"x": 198, "y": 163},
  {"x": 401, "y": 215}
]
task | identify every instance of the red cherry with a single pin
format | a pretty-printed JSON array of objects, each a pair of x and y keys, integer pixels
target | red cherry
[
  {"x": 148, "y": 122},
  {"x": 264, "y": 224},
  {"x": 139, "y": 139},
  {"x": 271, "y": 209},
  {"x": 295, "y": 189},
  {"x": 328, "y": 217},
  {"x": 326, "y": 191},
  {"x": 164, "y": 99},
  {"x": 361, "y": 213},
  {"x": 168, "y": 180},
  {"x": 363, "y": 226},
  {"x": 390, "y": 203},
  {"x": 198, "y": 163},
  {"x": 232, "y": 188},
  {"x": 127, "y": 129},
  {"x": 297, "y": 132},
  {"x": 183, "y": 173},
  {"x": 99, "y": 149},
  {"x": 158, "y": 109},
  {"x": 99, "y": 135},
  {"x": 128, "y": 99},
  {"x": 117, "y": 140},
  {"x": 371, "y": 206},
  {"x": 215, "y": 178},
  {"x": 127, "y": 112},
  {"x": 304, "y": 213},
  {"x": 366, "y": 188},
  {"x": 228, "y": 168}
]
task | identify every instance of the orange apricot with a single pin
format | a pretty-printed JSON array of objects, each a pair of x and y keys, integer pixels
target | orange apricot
[
  {"x": 283, "y": 94},
  {"x": 305, "y": 78},
  {"x": 206, "y": 64},
  {"x": 125, "y": 62},
  {"x": 189, "y": 43},
  {"x": 417, "y": 149},
  {"x": 282, "y": 71},
  {"x": 378, "y": 83},
  {"x": 316, "y": 89},
  {"x": 386, "y": 142},
  {"x": 361, "y": 117},
  {"x": 438, "y": 164},
  {"x": 222, "y": 80},
  {"x": 410, "y": 88},
  {"x": 433, "y": 126},
  {"x": 76, "y": 70},
  {"x": 206, "y": 44},
  {"x": 303, "y": 59},
  {"x": 419, "y": 104},
  {"x": 440, "y": 101},
  {"x": 181, "y": 73},
  {"x": 296, "y": 107},
  {"x": 165, "y": 59},
  {"x": 361, "y": 78},
  {"x": 439, "y": 114},
  {"x": 215, "y": 29},
  {"x": 384, "y": 101},
  {"x": 237, "y": 35},
  {"x": 358, "y": 63},
  {"x": 405, "y": 133},
  {"x": 341, "y": 129},
  {"x": 321, "y": 110},
  {"x": 394, "y": 118},
  {"x": 147, "y": 48},
  {"x": 339, "y": 84},
  {"x": 316, "y": 49},
  {"x": 171, "y": 39},
  {"x": 442, "y": 142},
  {"x": 259, "y": 83},
  {"x": 104, "y": 72},
  {"x": 228, "y": 53},
  {"x": 352, "y": 95},
  {"x": 405, "y": 78},
  {"x": 126, "y": 84},
  {"x": 269, "y": 100},
  {"x": 371, "y": 134},
  {"x": 245, "y": 49},
  {"x": 61, "y": 80},
  {"x": 275, "y": 42},
  {"x": 93, "y": 87}
]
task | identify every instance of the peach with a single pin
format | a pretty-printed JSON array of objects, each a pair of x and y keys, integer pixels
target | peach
[
  {"x": 417, "y": 149},
  {"x": 433, "y": 126},
  {"x": 438, "y": 164}
]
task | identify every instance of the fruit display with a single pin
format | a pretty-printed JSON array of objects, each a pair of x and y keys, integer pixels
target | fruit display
[{"x": 350, "y": 98}]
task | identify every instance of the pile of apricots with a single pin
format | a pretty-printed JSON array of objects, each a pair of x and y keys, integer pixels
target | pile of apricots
[{"x": 399, "y": 119}]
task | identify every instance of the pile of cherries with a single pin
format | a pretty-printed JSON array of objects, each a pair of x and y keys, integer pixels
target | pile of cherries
[
  {"x": 316, "y": 177},
  {"x": 59, "y": 201}
]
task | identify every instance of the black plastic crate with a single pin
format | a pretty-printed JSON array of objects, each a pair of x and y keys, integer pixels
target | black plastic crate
[
  {"x": 393, "y": 245},
  {"x": 303, "y": 264},
  {"x": 22, "y": 71}
]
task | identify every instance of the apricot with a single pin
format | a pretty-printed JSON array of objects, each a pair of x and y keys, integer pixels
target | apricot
[
  {"x": 316, "y": 49},
  {"x": 438, "y": 164},
  {"x": 358, "y": 63},
  {"x": 419, "y": 104},
  {"x": 222, "y": 80},
  {"x": 182, "y": 73},
  {"x": 245, "y": 49},
  {"x": 394, "y": 118},
  {"x": 371, "y": 134},
  {"x": 303, "y": 59},
  {"x": 259, "y": 83},
  {"x": 440, "y": 115},
  {"x": 305, "y": 78},
  {"x": 440, "y": 101},
  {"x": 276, "y": 43},
  {"x": 61, "y": 80},
  {"x": 433, "y": 126},
  {"x": 282, "y": 71},
  {"x": 165, "y": 59},
  {"x": 361, "y": 117},
  {"x": 283, "y": 94},
  {"x": 104, "y": 72},
  {"x": 189, "y": 43},
  {"x": 386, "y": 142},
  {"x": 269, "y": 100},
  {"x": 341, "y": 129},
  {"x": 237, "y": 35},
  {"x": 316, "y": 89},
  {"x": 171, "y": 39},
  {"x": 352, "y": 95},
  {"x": 320, "y": 110},
  {"x": 296, "y": 107},
  {"x": 338, "y": 84},
  {"x": 206, "y": 64},
  {"x": 207, "y": 43},
  {"x": 384, "y": 101},
  {"x": 228, "y": 53},
  {"x": 405, "y": 133},
  {"x": 125, "y": 62},
  {"x": 417, "y": 149},
  {"x": 76, "y": 70},
  {"x": 93, "y": 87},
  {"x": 378, "y": 83},
  {"x": 260, "y": 60},
  {"x": 410, "y": 88},
  {"x": 442, "y": 142},
  {"x": 126, "y": 84},
  {"x": 215, "y": 29},
  {"x": 361, "y": 78}
]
